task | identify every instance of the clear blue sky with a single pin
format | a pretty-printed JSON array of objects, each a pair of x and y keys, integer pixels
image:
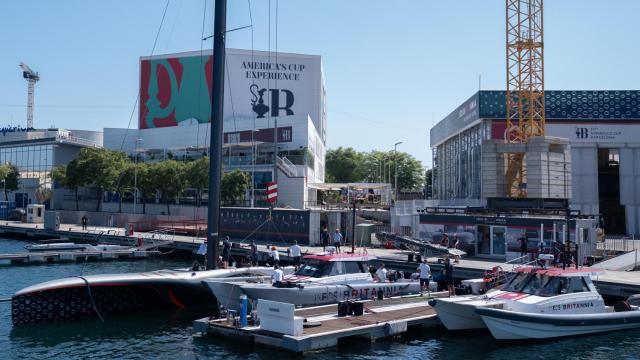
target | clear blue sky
[{"x": 391, "y": 67}]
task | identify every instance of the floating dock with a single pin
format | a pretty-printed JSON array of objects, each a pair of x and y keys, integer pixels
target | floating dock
[
  {"x": 381, "y": 319},
  {"x": 38, "y": 258}
]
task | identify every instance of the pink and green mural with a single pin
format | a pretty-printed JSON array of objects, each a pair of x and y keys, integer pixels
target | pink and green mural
[{"x": 173, "y": 90}]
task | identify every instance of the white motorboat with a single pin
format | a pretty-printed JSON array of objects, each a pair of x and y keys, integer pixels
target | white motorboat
[
  {"x": 513, "y": 325},
  {"x": 530, "y": 290},
  {"x": 323, "y": 279},
  {"x": 67, "y": 246},
  {"x": 84, "y": 296}
]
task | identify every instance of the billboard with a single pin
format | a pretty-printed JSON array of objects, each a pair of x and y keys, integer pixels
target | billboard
[
  {"x": 461, "y": 118},
  {"x": 284, "y": 225},
  {"x": 176, "y": 89}
]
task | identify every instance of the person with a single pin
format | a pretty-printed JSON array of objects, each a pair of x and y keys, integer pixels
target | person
[
  {"x": 275, "y": 257},
  {"x": 425, "y": 272},
  {"x": 325, "y": 239},
  {"x": 445, "y": 240},
  {"x": 523, "y": 248},
  {"x": 337, "y": 239},
  {"x": 201, "y": 253},
  {"x": 253, "y": 255},
  {"x": 456, "y": 246},
  {"x": 381, "y": 273},
  {"x": 448, "y": 277},
  {"x": 296, "y": 252},
  {"x": 84, "y": 222},
  {"x": 226, "y": 252},
  {"x": 276, "y": 277}
]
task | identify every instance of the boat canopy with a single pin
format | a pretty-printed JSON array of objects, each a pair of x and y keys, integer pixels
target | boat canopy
[
  {"x": 568, "y": 272},
  {"x": 340, "y": 257}
]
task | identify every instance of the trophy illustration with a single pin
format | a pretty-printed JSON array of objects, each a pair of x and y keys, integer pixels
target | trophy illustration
[{"x": 257, "y": 101}]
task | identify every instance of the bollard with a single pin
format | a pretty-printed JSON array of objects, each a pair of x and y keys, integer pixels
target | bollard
[{"x": 243, "y": 310}]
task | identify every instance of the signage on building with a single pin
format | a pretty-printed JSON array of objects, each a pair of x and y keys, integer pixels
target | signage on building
[
  {"x": 465, "y": 115},
  {"x": 285, "y": 135},
  {"x": 177, "y": 88},
  {"x": 595, "y": 133}
]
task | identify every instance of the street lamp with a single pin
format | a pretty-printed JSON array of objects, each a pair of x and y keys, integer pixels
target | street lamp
[
  {"x": 395, "y": 160},
  {"x": 135, "y": 178}
]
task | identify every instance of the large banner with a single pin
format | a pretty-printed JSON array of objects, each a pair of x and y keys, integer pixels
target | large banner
[
  {"x": 284, "y": 225},
  {"x": 177, "y": 88}
]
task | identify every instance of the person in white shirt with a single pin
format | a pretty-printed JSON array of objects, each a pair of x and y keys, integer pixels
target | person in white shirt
[
  {"x": 425, "y": 273},
  {"x": 381, "y": 273},
  {"x": 296, "y": 252},
  {"x": 337, "y": 240},
  {"x": 275, "y": 257},
  {"x": 277, "y": 276}
]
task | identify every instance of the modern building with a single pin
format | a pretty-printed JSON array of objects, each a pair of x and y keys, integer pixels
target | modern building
[
  {"x": 602, "y": 128},
  {"x": 264, "y": 91},
  {"x": 36, "y": 152}
]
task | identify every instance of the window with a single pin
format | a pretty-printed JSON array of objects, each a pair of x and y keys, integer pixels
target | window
[
  {"x": 517, "y": 282},
  {"x": 353, "y": 267}
]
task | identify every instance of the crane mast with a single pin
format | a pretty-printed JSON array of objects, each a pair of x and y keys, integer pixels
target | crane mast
[
  {"x": 32, "y": 77},
  {"x": 525, "y": 86}
]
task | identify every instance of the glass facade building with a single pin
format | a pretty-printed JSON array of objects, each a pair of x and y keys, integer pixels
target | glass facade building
[{"x": 33, "y": 161}]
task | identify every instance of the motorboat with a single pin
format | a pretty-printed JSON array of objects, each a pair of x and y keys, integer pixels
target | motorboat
[
  {"x": 323, "y": 279},
  {"x": 537, "y": 302},
  {"x": 512, "y": 325},
  {"x": 68, "y": 246},
  {"x": 99, "y": 295}
]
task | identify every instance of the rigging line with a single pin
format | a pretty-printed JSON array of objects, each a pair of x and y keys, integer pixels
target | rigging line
[
  {"x": 254, "y": 149},
  {"x": 233, "y": 111},
  {"x": 155, "y": 42},
  {"x": 268, "y": 78},
  {"x": 227, "y": 31},
  {"x": 202, "y": 74}
]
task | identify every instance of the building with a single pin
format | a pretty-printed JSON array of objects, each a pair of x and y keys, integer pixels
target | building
[
  {"x": 36, "y": 152},
  {"x": 602, "y": 129},
  {"x": 264, "y": 91}
]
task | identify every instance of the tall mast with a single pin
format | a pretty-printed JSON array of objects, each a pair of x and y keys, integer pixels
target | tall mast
[{"x": 215, "y": 149}]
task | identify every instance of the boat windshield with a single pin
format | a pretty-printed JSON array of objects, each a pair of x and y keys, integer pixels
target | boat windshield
[
  {"x": 544, "y": 285},
  {"x": 315, "y": 268}
]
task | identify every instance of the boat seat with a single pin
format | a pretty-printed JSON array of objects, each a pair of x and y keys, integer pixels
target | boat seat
[{"x": 621, "y": 306}]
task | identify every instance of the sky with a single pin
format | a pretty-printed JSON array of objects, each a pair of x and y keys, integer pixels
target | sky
[{"x": 392, "y": 68}]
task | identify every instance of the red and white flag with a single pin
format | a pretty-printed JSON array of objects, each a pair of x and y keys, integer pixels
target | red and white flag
[{"x": 272, "y": 192}]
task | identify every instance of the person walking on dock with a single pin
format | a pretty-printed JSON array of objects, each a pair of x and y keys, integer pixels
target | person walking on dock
[
  {"x": 337, "y": 239},
  {"x": 296, "y": 252},
  {"x": 448, "y": 276},
  {"x": 425, "y": 272},
  {"x": 523, "y": 248},
  {"x": 226, "y": 253},
  {"x": 84, "y": 222},
  {"x": 324, "y": 238},
  {"x": 275, "y": 257}
]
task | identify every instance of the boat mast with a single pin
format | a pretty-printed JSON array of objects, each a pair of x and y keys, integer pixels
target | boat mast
[{"x": 216, "y": 139}]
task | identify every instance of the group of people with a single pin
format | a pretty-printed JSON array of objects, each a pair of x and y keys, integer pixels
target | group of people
[{"x": 337, "y": 238}]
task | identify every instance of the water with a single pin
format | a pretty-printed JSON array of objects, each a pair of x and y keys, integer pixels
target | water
[{"x": 161, "y": 335}]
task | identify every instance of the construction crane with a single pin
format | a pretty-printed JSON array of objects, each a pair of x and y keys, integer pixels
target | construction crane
[
  {"x": 32, "y": 77},
  {"x": 525, "y": 86}
]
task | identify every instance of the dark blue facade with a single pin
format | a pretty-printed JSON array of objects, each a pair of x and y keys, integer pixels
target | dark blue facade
[{"x": 571, "y": 104}]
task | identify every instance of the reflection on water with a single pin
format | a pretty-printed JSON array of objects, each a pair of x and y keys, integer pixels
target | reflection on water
[{"x": 168, "y": 334}]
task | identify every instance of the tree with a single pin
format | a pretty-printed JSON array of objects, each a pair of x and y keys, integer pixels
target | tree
[
  {"x": 146, "y": 184},
  {"x": 197, "y": 176},
  {"x": 168, "y": 177},
  {"x": 71, "y": 177},
  {"x": 43, "y": 194},
  {"x": 428, "y": 184},
  {"x": 343, "y": 165},
  {"x": 10, "y": 176},
  {"x": 126, "y": 181},
  {"x": 410, "y": 172},
  {"x": 101, "y": 168},
  {"x": 235, "y": 185}
]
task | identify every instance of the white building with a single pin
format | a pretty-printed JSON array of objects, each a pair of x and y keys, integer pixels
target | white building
[{"x": 263, "y": 90}]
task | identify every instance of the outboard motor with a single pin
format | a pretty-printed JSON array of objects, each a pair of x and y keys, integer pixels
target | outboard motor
[{"x": 634, "y": 300}]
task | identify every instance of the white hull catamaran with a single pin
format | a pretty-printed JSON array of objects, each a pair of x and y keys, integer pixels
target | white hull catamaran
[{"x": 323, "y": 279}]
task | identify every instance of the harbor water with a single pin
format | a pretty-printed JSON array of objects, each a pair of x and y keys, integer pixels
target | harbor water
[{"x": 168, "y": 335}]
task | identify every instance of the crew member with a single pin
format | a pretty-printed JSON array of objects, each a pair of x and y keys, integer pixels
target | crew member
[
  {"x": 276, "y": 277},
  {"x": 296, "y": 252},
  {"x": 425, "y": 273},
  {"x": 381, "y": 273}
]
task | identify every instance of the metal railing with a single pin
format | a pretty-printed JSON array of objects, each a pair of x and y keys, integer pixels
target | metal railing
[{"x": 623, "y": 244}]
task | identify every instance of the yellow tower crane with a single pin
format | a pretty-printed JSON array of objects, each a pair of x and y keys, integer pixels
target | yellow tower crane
[{"x": 525, "y": 87}]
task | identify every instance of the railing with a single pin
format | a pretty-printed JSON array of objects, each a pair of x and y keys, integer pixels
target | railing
[
  {"x": 623, "y": 244},
  {"x": 287, "y": 167},
  {"x": 318, "y": 204}
]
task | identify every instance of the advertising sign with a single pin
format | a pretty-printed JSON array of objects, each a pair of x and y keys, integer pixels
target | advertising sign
[
  {"x": 465, "y": 115},
  {"x": 177, "y": 88}
]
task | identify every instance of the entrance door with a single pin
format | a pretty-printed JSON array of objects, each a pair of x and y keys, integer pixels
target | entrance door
[
  {"x": 483, "y": 240},
  {"x": 498, "y": 240}
]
